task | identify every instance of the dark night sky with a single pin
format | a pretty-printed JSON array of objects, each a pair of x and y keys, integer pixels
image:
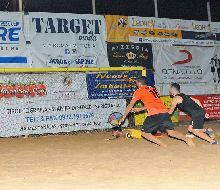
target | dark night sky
[{"x": 182, "y": 9}]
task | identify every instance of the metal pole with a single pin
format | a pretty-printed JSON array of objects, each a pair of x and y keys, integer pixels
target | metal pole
[
  {"x": 93, "y": 7},
  {"x": 209, "y": 11},
  {"x": 20, "y": 5},
  {"x": 155, "y": 8}
]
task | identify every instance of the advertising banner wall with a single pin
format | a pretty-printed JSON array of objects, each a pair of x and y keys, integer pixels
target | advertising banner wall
[
  {"x": 117, "y": 28},
  {"x": 111, "y": 85},
  {"x": 194, "y": 68},
  {"x": 13, "y": 49},
  {"x": 211, "y": 104},
  {"x": 39, "y": 117},
  {"x": 67, "y": 40},
  {"x": 38, "y": 87},
  {"x": 130, "y": 54},
  {"x": 162, "y": 30}
]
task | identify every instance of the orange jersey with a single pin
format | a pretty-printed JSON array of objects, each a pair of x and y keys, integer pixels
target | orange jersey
[{"x": 151, "y": 100}]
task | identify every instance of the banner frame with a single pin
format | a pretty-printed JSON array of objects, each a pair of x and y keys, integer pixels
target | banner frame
[{"x": 43, "y": 70}]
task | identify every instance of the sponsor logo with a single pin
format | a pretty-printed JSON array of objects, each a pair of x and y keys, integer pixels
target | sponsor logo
[
  {"x": 187, "y": 60},
  {"x": 22, "y": 90},
  {"x": 131, "y": 56},
  {"x": 201, "y": 27},
  {"x": 122, "y": 22},
  {"x": 80, "y": 62},
  {"x": 60, "y": 25},
  {"x": 143, "y": 23},
  {"x": 9, "y": 32}
]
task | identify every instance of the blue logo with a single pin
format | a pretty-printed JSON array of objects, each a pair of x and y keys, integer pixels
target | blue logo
[{"x": 9, "y": 32}]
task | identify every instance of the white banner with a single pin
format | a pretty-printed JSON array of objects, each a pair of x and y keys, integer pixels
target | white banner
[
  {"x": 42, "y": 87},
  {"x": 39, "y": 117},
  {"x": 67, "y": 40},
  {"x": 173, "y": 31},
  {"x": 13, "y": 50},
  {"x": 196, "y": 69}
]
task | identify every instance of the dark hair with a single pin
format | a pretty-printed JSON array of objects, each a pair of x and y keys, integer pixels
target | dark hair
[
  {"x": 142, "y": 80},
  {"x": 176, "y": 86}
]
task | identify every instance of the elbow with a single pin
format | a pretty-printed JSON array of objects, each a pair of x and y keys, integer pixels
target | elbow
[{"x": 170, "y": 112}]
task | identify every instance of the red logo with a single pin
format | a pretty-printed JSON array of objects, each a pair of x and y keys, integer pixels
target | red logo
[{"x": 189, "y": 58}]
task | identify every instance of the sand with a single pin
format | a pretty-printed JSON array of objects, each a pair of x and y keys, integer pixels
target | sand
[{"x": 88, "y": 162}]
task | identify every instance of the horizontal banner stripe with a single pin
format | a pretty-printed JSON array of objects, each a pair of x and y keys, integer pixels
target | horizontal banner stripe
[{"x": 21, "y": 60}]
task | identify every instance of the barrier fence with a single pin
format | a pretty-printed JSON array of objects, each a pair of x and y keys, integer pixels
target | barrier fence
[{"x": 54, "y": 100}]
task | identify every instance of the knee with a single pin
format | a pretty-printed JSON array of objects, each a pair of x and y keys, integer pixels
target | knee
[
  {"x": 190, "y": 129},
  {"x": 144, "y": 133},
  {"x": 170, "y": 132},
  {"x": 194, "y": 131}
]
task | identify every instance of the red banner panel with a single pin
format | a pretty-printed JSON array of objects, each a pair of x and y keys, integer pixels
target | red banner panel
[{"x": 211, "y": 104}]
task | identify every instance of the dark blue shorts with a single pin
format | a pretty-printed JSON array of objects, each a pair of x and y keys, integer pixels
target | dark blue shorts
[{"x": 159, "y": 122}]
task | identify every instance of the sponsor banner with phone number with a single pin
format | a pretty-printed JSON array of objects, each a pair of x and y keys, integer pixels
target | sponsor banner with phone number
[
  {"x": 67, "y": 40},
  {"x": 162, "y": 30},
  {"x": 211, "y": 104},
  {"x": 40, "y": 117},
  {"x": 111, "y": 85}
]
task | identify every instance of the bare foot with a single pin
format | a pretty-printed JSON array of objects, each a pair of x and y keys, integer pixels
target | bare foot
[{"x": 190, "y": 142}]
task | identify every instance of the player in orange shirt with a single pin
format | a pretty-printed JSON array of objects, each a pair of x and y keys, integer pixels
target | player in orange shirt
[{"x": 158, "y": 117}]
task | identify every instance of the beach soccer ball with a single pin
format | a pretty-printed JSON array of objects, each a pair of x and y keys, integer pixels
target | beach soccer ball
[{"x": 114, "y": 118}]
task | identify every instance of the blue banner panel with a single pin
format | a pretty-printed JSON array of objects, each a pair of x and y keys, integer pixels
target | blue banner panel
[
  {"x": 21, "y": 60},
  {"x": 111, "y": 85},
  {"x": 198, "y": 35}
]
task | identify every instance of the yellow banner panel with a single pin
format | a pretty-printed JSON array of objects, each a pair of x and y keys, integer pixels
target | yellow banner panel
[{"x": 117, "y": 28}]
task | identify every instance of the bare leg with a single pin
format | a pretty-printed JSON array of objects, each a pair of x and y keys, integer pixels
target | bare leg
[
  {"x": 200, "y": 133},
  {"x": 180, "y": 136},
  {"x": 153, "y": 139}
]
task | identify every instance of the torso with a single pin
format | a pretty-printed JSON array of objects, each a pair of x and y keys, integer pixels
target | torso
[
  {"x": 188, "y": 105},
  {"x": 151, "y": 99}
]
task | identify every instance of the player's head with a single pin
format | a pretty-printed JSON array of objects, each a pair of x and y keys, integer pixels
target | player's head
[
  {"x": 174, "y": 88},
  {"x": 142, "y": 81}
]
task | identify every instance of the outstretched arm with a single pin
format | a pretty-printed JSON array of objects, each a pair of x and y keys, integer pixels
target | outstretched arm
[
  {"x": 173, "y": 105},
  {"x": 127, "y": 110},
  {"x": 135, "y": 110}
]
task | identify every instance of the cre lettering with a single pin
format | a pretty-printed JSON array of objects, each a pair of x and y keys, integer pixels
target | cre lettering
[{"x": 9, "y": 34}]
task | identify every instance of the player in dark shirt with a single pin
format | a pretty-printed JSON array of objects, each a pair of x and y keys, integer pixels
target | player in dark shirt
[{"x": 193, "y": 108}]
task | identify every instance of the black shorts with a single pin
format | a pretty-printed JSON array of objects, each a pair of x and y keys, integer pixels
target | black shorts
[
  {"x": 198, "y": 119},
  {"x": 160, "y": 122}
]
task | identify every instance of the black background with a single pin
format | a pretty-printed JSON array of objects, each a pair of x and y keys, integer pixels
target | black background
[
  {"x": 122, "y": 51},
  {"x": 180, "y": 9}
]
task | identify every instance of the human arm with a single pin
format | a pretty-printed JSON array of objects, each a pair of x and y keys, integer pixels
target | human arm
[
  {"x": 174, "y": 103},
  {"x": 135, "y": 110},
  {"x": 127, "y": 110}
]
